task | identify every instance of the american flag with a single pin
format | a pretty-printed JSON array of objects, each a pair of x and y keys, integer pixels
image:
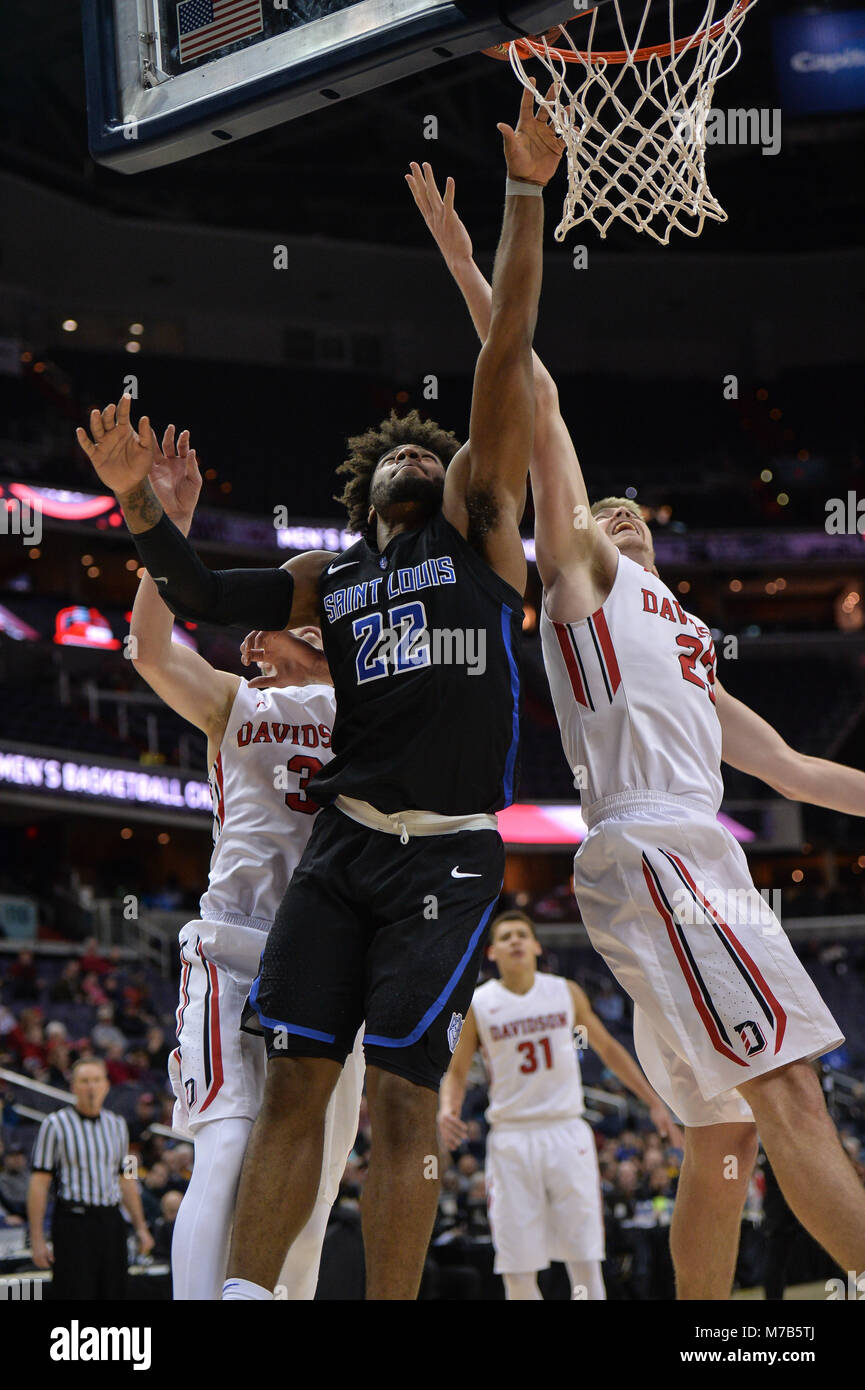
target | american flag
[{"x": 204, "y": 25}]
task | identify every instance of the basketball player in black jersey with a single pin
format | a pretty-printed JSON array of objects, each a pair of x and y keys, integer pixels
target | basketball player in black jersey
[{"x": 385, "y": 916}]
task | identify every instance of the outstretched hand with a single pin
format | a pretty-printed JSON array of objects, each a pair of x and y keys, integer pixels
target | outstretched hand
[
  {"x": 175, "y": 477},
  {"x": 121, "y": 455},
  {"x": 439, "y": 214},
  {"x": 533, "y": 150}
]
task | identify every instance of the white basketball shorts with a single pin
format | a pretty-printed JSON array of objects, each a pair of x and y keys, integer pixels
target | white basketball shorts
[
  {"x": 543, "y": 1195},
  {"x": 216, "y": 1071},
  {"x": 721, "y": 997}
]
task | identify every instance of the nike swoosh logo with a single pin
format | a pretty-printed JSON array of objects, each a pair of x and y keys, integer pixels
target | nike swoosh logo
[
  {"x": 455, "y": 873},
  {"x": 163, "y": 579},
  {"x": 332, "y": 569}
]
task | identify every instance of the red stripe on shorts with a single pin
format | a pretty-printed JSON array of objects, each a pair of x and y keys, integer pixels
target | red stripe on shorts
[
  {"x": 742, "y": 954},
  {"x": 215, "y": 1040},
  {"x": 710, "y": 1025}
]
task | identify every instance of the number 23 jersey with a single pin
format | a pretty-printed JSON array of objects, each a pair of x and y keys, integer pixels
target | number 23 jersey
[
  {"x": 275, "y": 741},
  {"x": 633, "y": 689},
  {"x": 527, "y": 1041}
]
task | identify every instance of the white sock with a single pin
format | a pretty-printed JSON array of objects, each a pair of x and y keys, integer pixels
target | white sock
[
  {"x": 587, "y": 1282},
  {"x": 238, "y": 1290},
  {"x": 199, "y": 1246},
  {"x": 522, "y": 1287}
]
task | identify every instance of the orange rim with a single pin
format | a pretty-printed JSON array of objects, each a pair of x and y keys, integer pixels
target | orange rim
[{"x": 534, "y": 47}]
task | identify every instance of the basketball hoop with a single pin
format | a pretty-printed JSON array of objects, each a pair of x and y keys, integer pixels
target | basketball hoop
[{"x": 634, "y": 120}]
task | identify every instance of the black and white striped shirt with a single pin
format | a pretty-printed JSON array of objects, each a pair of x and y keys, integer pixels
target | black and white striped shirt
[{"x": 85, "y": 1154}]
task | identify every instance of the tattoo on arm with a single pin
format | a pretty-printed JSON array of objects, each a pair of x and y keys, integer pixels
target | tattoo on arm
[{"x": 141, "y": 507}]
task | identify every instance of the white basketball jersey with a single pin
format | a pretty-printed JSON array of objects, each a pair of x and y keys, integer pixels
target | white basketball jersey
[
  {"x": 633, "y": 689},
  {"x": 274, "y": 742},
  {"x": 527, "y": 1041}
]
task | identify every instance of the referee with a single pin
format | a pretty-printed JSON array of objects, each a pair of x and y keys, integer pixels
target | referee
[{"x": 83, "y": 1149}]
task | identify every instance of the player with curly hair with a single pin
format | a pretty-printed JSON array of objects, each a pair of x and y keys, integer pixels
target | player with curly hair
[{"x": 385, "y": 916}]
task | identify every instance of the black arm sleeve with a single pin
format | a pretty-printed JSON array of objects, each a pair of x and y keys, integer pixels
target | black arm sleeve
[{"x": 259, "y": 598}]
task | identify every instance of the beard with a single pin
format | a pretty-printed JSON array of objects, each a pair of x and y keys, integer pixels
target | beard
[{"x": 425, "y": 493}]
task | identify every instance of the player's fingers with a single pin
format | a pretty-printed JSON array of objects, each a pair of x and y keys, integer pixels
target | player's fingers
[
  {"x": 168, "y": 441},
  {"x": 431, "y": 186},
  {"x": 123, "y": 408},
  {"x": 527, "y": 104},
  {"x": 84, "y": 440},
  {"x": 145, "y": 433},
  {"x": 415, "y": 182},
  {"x": 450, "y": 194},
  {"x": 96, "y": 424},
  {"x": 108, "y": 415},
  {"x": 183, "y": 444},
  {"x": 251, "y": 647}
]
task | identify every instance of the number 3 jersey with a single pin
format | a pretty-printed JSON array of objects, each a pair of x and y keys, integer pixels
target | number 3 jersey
[
  {"x": 275, "y": 741},
  {"x": 633, "y": 689},
  {"x": 527, "y": 1041}
]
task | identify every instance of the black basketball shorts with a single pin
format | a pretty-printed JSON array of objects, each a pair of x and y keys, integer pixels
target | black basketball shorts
[{"x": 378, "y": 932}]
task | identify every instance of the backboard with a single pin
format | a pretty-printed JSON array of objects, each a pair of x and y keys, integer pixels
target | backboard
[{"x": 167, "y": 79}]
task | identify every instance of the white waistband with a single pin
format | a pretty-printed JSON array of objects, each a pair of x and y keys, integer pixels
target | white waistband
[
  {"x": 408, "y": 823},
  {"x": 233, "y": 919},
  {"x": 541, "y": 1122},
  {"x": 643, "y": 802}
]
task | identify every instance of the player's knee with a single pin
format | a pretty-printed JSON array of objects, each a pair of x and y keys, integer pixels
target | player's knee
[
  {"x": 744, "y": 1147},
  {"x": 718, "y": 1153},
  {"x": 297, "y": 1084},
  {"x": 402, "y": 1111},
  {"x": 791, "y": 1095}
]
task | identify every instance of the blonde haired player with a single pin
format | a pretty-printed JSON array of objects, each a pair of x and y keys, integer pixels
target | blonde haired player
[
  {"x": 263, "y": 745},
  {"x": 726, "y": 1016},
  {"x": 541, "y": 1166}
]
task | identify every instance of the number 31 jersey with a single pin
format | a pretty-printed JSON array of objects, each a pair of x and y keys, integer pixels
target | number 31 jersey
[
  {"x": 527, "y": 1041},
  {"x": 275, "y": 741},
  {"x": 633, "y": 689}
]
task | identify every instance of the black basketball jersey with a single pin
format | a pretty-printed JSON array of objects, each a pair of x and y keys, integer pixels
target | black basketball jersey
[{"x": 423, "y": 644}]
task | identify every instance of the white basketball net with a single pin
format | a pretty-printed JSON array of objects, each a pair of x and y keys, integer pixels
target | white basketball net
[{"x": 636, "y": 131}]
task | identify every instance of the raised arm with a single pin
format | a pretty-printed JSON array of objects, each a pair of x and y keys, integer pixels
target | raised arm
[
  {"x": 753, "y": 746},
  {"x": 486, "y": 482},
  {"x": 257, "y": 598},
  {"x": 184, "y": 680},
  {"x": 575, "y": 561}
]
